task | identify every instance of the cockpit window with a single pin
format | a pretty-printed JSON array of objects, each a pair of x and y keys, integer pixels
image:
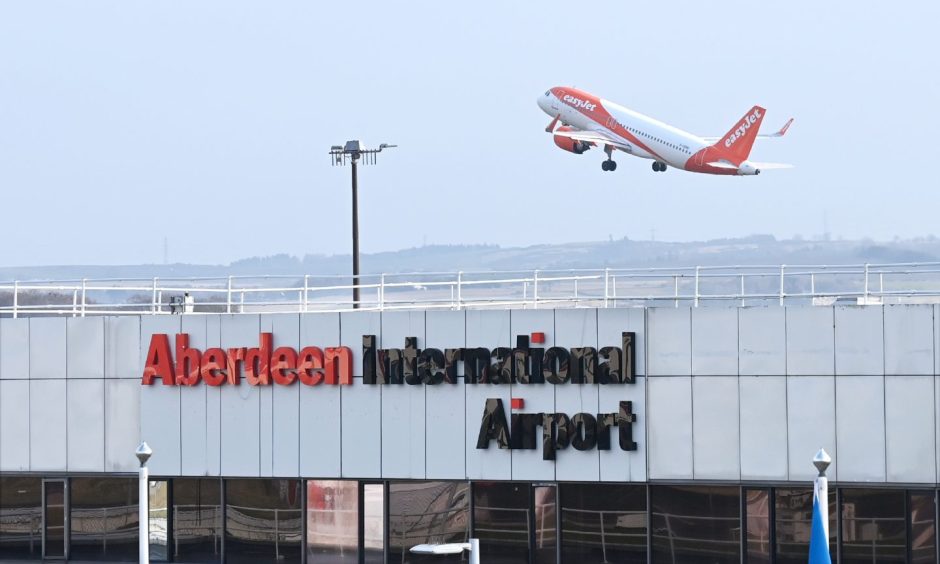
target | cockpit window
[{"x": 547, "y": 92}]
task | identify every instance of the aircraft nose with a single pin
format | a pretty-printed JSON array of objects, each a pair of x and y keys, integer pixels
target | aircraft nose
[{"x": 544, "y": 100}]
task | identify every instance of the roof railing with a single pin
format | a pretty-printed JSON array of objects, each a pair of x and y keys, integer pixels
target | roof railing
[{"x": 606, "y": 287}]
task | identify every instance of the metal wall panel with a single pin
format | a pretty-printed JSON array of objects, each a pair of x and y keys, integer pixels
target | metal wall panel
[
  {"x": 715, "y": 428},
  {"x": 859, "y": 340},
  {"x": 489, "y": 328},
  {"x": 85, "y": 400},
  {"x": 85, "y": 347},
  {"x": 570, "y": 399},
  {"x": 122, "y": 346},
  {"x": 121, "y": 424},
  {"x": 280, "y": 406},
  {"x": 612, "y": 322},
  {"x": 47, "y": 425},
  {"x": 908, "y": 339},
  {"x": 362, "y": 430},
  {"x": 14, "y": 349},
  {"x": 47, "y": 347},
  {"x": 811, "y": 424},
  {"x": 446, "y": 329},
  {"x": 403, "y": 406},
  {"x": 860, "y": 428},
  {"x": 149, "y": 326},
  {"x": 617, "y": 465},
  {"x": 539, "y": 398},
  {"x": 491, "y": 463},
  {"x": 213, "y": 405},
  {"x": 14, "y": 425},
  {"x": 352, "y": 326},
  {"x": 241, "y": 405},
  {"x": 762, "y": 341},
  {"x": 669, "y": 343},
  {"x": 320, "y": 441},
  {"x": 193, "y": 404},
  {"x": 910, "y": 442},
  {"x": 320, "y": 432},
  {"x": 810, "y": 341},
  {"x": 524, "y": 322},
  {"x": 763, "y": 427},
  {"x": 714, "y": 341},
  {"x": 403, "y": 431},
  {"x": 160, "y": 421},
  {"x": 669, "y": 433},
  {"x": 446, "y": 432}
]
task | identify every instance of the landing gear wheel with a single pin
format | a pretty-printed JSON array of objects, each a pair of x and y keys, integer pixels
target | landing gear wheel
[
  {"x": 609, "y": 166},
  {"x": 655, "y": 166}
]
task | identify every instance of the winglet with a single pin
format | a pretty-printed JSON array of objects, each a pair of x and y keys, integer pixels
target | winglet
[
  {"x": 551, "y": 126},
  {"x": 783, "y": 129}
]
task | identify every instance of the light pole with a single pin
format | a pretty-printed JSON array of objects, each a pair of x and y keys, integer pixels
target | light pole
[
  {"x": 143, "y": 453},
  {"x": 355, "y": 152}
]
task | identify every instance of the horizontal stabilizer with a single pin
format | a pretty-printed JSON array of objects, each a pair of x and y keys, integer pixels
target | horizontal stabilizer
[
  {"x": 770, "y": 166},
  {"x": 723, "y": 164}
]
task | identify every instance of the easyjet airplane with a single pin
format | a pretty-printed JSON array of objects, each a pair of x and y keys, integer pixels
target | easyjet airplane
[{"x": 588, "y": 121}]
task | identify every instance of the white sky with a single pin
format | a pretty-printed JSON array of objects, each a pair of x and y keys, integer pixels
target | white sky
[{"x": 122, "y": 123}]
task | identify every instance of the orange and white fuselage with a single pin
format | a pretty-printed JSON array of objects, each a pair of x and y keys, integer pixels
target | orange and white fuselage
[{"x": 588, "y": 120}]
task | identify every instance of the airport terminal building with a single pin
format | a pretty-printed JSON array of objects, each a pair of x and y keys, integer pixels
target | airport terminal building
[{"x": 671, "y": 434}]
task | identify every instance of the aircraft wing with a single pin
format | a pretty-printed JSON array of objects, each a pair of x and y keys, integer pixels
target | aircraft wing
[
  {"x": 760, "y": 166},
  {"x": 779, "y": 133},
  {"x": 595, "y": 137}
]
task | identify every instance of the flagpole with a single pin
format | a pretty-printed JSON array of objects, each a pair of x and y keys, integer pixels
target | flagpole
[{"x": 819, "y": 537}]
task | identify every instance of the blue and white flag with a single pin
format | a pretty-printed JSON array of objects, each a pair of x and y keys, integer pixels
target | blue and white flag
[{"x": 819, "y": 537}]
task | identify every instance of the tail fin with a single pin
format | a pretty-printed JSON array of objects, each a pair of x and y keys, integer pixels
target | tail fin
[{"x": 737, "y": 143}]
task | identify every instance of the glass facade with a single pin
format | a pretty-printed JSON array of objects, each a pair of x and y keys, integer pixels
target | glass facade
[
  {"x": 501, "y": 521},
  {"x": 333, "y": 521},
  {"x": 212, "y": 520},
  {"x": 21, "y": 518},
  {"x": 603, "y": 523},
  {"x": 263, "y": 520},
  {"x": 103, "y": 519},
  {"x": 426, "y": 513},
  {"x": 696, "y": 524},
  {"x": 197, "y": 520}
]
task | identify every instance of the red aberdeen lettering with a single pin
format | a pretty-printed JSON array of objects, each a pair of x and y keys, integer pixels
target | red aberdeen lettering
[{"x": 261, "y": 365}]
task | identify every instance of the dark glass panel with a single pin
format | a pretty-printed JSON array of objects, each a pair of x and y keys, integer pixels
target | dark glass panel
[
  {"x": 501, "y": 521},
  {"x": 103, "y": 519},
  {"x": 696, "y": 524},
  {"x": 923, "y": 527},
  {"x": 873, "y": 526},
  {"x": 757, "y": 507},
  {"x": 263, "y": 520},
  {"x": 332, "y": 521},
  {"x": 54, "y": 519},
  {"x": 545, "y": 543},
  {"x": 603, "y": 523},
  {"x": 21, "y": 518},
  {"x": 197, "y": 520},
  {"x": 794, "y": 520},
  {"x": 426, "y": 513},
  {"x": 158, "y": 524},
  {"x": 373, "y": 523}
]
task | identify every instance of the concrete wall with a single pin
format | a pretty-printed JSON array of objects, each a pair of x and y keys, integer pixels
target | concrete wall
[{"x": 735, "y": 394}]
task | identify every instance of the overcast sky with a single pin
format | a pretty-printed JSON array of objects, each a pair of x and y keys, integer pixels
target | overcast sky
[{"x": 208, "y": 123}]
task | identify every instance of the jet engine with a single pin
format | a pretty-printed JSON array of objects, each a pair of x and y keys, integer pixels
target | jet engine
[{"x": 569, "y": 144}]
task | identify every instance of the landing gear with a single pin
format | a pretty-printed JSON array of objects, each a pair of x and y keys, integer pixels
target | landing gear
[
  {"x": 659, "y": 166},
  {"x": 609, "y": 165}
]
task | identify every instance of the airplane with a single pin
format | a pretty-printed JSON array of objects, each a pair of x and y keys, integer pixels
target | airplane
[{"x": 589, "y": 121}]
